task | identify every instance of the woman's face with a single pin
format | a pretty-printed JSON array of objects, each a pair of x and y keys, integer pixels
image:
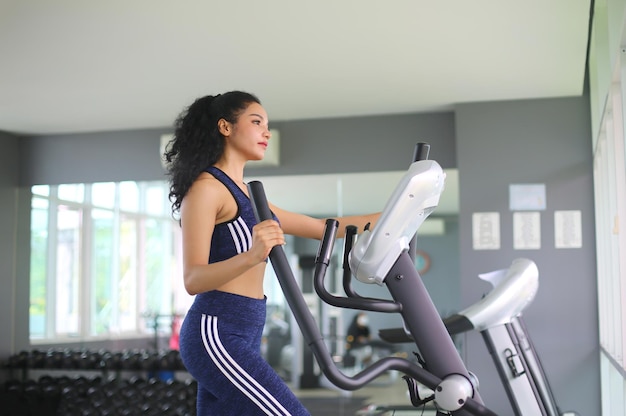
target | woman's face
[{"x": 250, "y": 134}]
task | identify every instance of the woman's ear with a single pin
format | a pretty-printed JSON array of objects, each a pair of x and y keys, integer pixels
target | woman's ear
[{"x": 224, "y": 127}]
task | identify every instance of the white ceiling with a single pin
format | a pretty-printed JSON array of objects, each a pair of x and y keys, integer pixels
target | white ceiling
[
  {"x": 77, "y": 66},
  {"x": 70, "y": 66}
]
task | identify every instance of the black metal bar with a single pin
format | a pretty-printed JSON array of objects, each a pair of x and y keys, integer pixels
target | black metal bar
[
  {"x": 491, "y": 348},
  {"x": 421, "y": 151},
  {"x": 288, "y": 283},
  {"x": 535, "y": 367},
  {"x": 321, "y": 264},
  {"x": 351, "y": 232}
]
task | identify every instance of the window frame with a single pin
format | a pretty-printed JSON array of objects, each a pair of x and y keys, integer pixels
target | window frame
[{"x": 168, "y": 229}]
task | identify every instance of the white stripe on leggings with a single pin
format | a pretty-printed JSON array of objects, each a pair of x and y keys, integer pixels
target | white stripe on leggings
[{"x": 231, "y": 370}]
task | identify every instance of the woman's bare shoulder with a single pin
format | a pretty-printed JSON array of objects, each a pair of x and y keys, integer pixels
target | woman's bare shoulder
[
  {"x": 205, "y": 190},
  {"x": 206, "y": 183},
  {"x": 208, "y": 195}
]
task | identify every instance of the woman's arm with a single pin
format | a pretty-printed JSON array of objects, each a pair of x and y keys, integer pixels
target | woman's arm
[
  {"x": 309, "y": 227},
  {"x": 200, "y": 209}
]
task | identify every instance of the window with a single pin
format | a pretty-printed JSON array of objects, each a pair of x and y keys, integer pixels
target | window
[
  {"x": 610, "y": 198},
  {"x": 104, "y": 260}
]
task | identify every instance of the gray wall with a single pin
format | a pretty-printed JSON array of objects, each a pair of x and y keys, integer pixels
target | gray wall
[
  {"x": 361, "y": 144},
  {"x": 492, "y": 144},
  {"x": 312, "y": 146},
  {"x": 535, "y": 141},
  {"x": 95, "y": 157}
]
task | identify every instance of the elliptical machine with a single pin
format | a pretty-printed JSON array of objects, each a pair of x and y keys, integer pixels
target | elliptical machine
[{"x": 382, "y": 256}]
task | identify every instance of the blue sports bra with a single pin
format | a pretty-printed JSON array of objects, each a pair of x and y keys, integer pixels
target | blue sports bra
[{"x": 234, "y": 236}]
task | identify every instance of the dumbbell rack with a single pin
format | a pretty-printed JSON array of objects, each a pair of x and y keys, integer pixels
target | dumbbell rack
[{"x": 82, "y": 382}]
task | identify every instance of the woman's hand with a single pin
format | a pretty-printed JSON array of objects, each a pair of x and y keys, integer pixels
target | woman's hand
[{"x": 266, "y": 235}]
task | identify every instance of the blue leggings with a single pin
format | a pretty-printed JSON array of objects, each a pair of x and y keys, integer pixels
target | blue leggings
[{"x": 220, "y": 345}]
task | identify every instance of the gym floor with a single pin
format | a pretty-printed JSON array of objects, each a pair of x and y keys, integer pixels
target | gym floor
[{"x": 387, "y": 396}]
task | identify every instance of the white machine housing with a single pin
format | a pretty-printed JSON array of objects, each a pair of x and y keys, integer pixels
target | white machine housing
[
  {"x": 514, "y": 289},
  {"x": 415, "y": 197}
]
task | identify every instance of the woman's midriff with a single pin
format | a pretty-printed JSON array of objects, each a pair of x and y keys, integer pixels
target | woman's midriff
[{"x": 249, "y": 284}]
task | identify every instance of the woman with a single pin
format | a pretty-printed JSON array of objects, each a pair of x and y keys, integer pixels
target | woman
[
  {"x": 225, "y": 252},
  {"x": 358, "y": 337},
  {"x": 358, "y": 331}
]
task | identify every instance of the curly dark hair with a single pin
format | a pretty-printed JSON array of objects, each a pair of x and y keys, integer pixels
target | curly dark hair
[{"x": 197, "y": 142}]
